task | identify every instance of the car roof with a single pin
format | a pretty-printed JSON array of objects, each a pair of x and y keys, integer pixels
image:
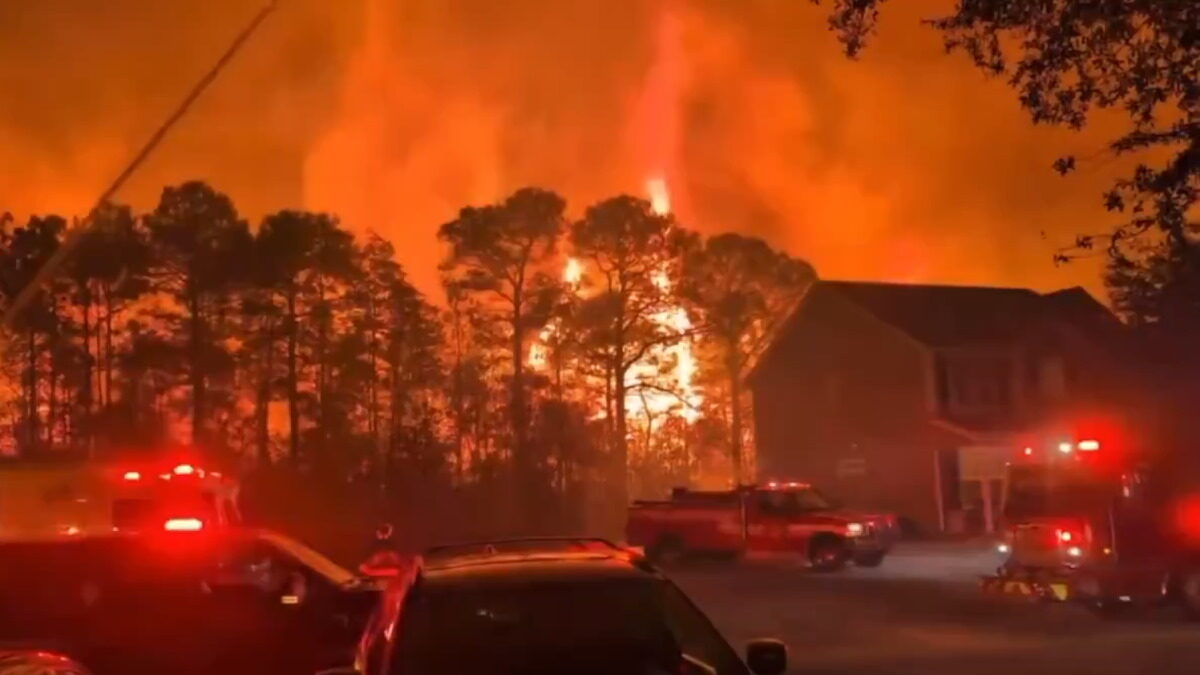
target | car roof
[
  {"x": 537, "y": 567},
  {"x": 106, "y": 546}
]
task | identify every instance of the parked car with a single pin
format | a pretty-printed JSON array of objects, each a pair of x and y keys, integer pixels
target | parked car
[
  {"x": 577, "y": 606},
  {"x": 773, "y": 518},
  {"x": 184, "y": 602},
  {"x": 38, "y": 662}
]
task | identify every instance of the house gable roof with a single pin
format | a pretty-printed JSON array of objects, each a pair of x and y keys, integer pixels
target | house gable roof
[{"x": 947, "y": 316}]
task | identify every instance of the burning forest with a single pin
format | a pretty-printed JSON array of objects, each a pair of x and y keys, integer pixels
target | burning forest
[
  {"x": 582, "y": 361},
  {"x": 414, "y": 319}
]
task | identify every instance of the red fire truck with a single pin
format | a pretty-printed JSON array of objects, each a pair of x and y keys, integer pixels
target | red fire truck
[
  {"x": 76, "y": 496},
  {"x": 1101, "y": 521},
  {"x": 791, "y": 518}
]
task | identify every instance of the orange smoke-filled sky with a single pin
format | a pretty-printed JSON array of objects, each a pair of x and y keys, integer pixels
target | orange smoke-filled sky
[{"x": 904, "y": 165}]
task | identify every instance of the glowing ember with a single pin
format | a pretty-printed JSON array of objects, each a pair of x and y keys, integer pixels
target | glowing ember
[
  {"x": 573, "y": 272},
  {"x": 660, "y": 197}
]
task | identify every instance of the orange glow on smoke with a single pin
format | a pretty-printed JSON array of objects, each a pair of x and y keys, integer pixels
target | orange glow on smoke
[{"x": 395, "y": 114}]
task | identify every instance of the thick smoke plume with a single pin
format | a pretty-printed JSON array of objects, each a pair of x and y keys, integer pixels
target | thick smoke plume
[{"x": 904, "y": 165}]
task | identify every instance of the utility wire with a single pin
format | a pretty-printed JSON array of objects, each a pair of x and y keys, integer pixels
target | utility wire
[{"x": 75, "y": 234}]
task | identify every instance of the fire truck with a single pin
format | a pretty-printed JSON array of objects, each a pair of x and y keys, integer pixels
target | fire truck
[
  {"x": 776, "y": 518},
  {"x": 75, "y": 496},
  {"x": 1101, "y": 521}
]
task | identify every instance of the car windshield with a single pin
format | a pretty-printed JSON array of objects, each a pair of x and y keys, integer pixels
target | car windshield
[
  {"x": 1047, "y": 491},
  {"x": 609, "y": 626},
  {"x": 794, "y": 501}
]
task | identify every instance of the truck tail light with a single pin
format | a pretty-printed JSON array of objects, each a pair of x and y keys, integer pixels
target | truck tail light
[
  {"x": 183, "y": 470},
  {"x": 183, "y": 525},
  {"x": 132, "y": 475},
  {"x": 1089, "y": 446}
]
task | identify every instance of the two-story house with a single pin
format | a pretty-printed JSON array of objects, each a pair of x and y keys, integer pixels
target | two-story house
[{"x": 911, "y": 398}]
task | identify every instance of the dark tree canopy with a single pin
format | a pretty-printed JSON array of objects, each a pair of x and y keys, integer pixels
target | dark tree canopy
[
  {"x": 1066, "y": 59},
  {"x": 740, "y": 288}
]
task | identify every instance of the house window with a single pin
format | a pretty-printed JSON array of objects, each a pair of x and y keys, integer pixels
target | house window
[
  {"x": 1052, "y": 380},
  {"x": 977, "y": 382}
]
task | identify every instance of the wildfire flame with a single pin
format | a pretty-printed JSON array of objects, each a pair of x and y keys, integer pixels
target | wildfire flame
[
  {"x": 573, "y": 272},
  {"x": 660, "y": 197},
  {"x": 653, "y": 394}
]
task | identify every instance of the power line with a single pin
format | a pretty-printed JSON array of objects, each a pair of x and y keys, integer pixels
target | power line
[{"x": 75, "y": 234}]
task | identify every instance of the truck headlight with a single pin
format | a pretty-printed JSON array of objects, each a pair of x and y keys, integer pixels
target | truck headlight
[{"x": 854, "y": 529}]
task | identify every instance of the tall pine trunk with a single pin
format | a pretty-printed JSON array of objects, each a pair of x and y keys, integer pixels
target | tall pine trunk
[
  {"x": 517, "y": 411},
  {"x": 109, "y": 310},
  {"x": 373, "y": 388},
  {"x": 734, "y": 372},
  {"x": 197, "y": 370},
  {"x": 621, "y": 441},
  {"x": 322, "y": 373},
  {"x": 52, "y": 407},
  {"x": 293, "y": 394},
  {"x": 262, "y": 412},
  {"x": 86, "y": 392},
  {"x": 31, "y": 399}
]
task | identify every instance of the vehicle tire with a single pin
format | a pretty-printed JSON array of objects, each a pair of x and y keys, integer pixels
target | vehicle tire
[
  {"x": 668, "y": 551},
  {"x": 827, "y": 553},
  {"x": 870, "y": 559},
  {"x": 1188, "y": 590}
]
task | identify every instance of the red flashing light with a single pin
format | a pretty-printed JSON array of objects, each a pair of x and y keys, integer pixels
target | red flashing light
[
  {"x": 133, "y": 475},
  {"x": 1064, "y": 535},
  {"x": 1028, "y": 452},
  {"x": 183, "y": 470},
  {"x": 1089, "y": 445},
  {"x": 183, "y": 525}
]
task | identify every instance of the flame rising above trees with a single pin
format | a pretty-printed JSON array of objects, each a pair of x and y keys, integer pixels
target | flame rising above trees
[{"x": 393, "y": 114}]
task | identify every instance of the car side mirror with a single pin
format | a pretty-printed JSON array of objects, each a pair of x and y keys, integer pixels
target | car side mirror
[{"x": 766, "y": 657}]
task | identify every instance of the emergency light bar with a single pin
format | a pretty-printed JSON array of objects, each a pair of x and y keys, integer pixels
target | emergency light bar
[
  {"x": 183, "y": 525},
  {"x": 133, "y": 475},
  {"x": 1089, "y": 446}
]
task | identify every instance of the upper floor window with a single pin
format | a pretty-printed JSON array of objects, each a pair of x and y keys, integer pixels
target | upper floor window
[{"x": 974, "y": 381}]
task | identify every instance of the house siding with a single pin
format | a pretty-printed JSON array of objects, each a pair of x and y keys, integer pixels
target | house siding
[{"x": 844, "y": 400}]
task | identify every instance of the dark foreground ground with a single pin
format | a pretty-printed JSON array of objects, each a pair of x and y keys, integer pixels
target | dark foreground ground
[{"x": 921, "y": 612}]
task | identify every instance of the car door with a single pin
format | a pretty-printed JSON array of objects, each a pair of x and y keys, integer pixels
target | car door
[
  {"x": 255, "y": 599},
  {"x": 695, "y": 634},
  {"x": 317, "y": 621},
  {"x": 768, "y": 513}
]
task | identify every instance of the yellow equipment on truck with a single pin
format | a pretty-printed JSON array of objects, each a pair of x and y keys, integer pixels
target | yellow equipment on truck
[{"x": 72, "y": 496}]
